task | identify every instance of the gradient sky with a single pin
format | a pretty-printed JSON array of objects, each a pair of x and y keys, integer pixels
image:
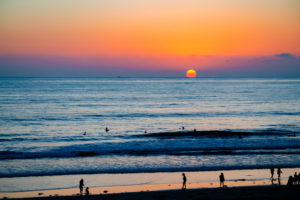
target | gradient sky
[{"x": 149, "y": 38}]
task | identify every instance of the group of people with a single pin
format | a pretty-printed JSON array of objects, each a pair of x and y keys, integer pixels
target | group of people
[
  {"x": 106, "y": 130},
  {"x": 294, "y": 180},
  {"x": 81, "y": 185},
  {"x": 221, "y": 177},
  {"x": 279, "y": 172}
]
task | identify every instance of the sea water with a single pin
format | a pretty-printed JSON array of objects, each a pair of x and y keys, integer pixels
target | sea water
[{"x": 43, "y": 121}]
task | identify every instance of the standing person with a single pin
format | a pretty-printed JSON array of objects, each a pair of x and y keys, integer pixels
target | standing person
[
  {"x": 222, "y": 180},
  {"x": 295, "y": 178},
  {"x": 81, "y": 184},
  {"x": 290, "y": 181},
  {"x": 272, "y": 171},
  {"x": 279, "y": 172},
  {"x": 87, "y": 192},
  {"x": 184, "y": 181}
]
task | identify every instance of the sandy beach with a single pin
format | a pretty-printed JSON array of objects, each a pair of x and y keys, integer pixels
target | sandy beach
[
  {"x": 167, "y": 185},
  {"x": 249, "y": 192}
]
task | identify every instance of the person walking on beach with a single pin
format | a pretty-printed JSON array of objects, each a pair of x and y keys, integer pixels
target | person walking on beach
[
  {"x": 184, "y": 181},
  {"x": 279, "y": 172},
  {"x": 222, "y": 180},
  {"x": 81, "y": 184},
  {"x": 272, "y": 172}
]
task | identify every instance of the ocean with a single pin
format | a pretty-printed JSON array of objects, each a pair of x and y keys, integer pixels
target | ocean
[{"x": 56, "y": 126}]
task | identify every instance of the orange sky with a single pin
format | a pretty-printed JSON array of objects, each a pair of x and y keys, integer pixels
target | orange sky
[
  {"x": 133, "y": 27},
  {"x": 149, "y": 38}
]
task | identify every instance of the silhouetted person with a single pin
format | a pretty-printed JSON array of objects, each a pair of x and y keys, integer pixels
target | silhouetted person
[
  {"x": 106, "y": 129},
  {"x": 295, "y": 179},
  {"x": 84, "y": 133},
  {"x": 298, "y": 178},
  {"x": 87, "y": 192},
  {"x": 272, "y": 172},
  {"x": 290, "y": 181},
  {"x": 195, "y": 130},
  {"x": 279, "y": 172},
  {"x": 222, "y": 180},
  {"x": 145, "y": 131},
  {"x": 184, "y": 181},
  {"x": 183, "y": 128},
  {"x": 81, "y": 184}
]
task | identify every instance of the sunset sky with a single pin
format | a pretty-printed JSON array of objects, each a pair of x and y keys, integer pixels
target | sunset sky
[{"x": 149, "y": 38}]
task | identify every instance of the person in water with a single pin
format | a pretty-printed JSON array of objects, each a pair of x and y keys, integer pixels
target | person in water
[
  {"x": 81, "y": 184},
  {"x": 184, "y": 181},
  {"x": 222, "y": 180}
]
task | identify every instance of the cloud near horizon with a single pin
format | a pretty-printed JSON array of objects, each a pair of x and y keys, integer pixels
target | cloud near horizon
[
  {"x": 150, "y": 66},
  {"x": 284, "y": 55}
]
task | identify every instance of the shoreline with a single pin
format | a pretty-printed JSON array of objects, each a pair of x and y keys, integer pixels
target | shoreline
[
  {"x": 142, "y": 182},
  {"x": 175, "y": 170}
]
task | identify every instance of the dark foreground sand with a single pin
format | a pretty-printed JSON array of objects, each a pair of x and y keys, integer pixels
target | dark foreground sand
[{"x": 239, "y": 193}]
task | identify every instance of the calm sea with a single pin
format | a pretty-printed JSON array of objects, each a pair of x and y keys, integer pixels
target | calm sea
[{"x": 43, "y": 120}]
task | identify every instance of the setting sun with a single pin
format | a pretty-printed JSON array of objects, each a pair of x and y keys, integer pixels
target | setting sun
[{"x": 191, "y": 73}]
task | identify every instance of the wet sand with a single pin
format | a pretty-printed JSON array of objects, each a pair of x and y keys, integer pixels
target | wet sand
[
  {"x": 116, "y": 190},
  {"x": 247, "y": 192}
]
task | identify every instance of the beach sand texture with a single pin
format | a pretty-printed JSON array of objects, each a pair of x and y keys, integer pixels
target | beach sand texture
[
  {"x": 43, "y": 186},
  {"x": 254, "y": 192}
]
